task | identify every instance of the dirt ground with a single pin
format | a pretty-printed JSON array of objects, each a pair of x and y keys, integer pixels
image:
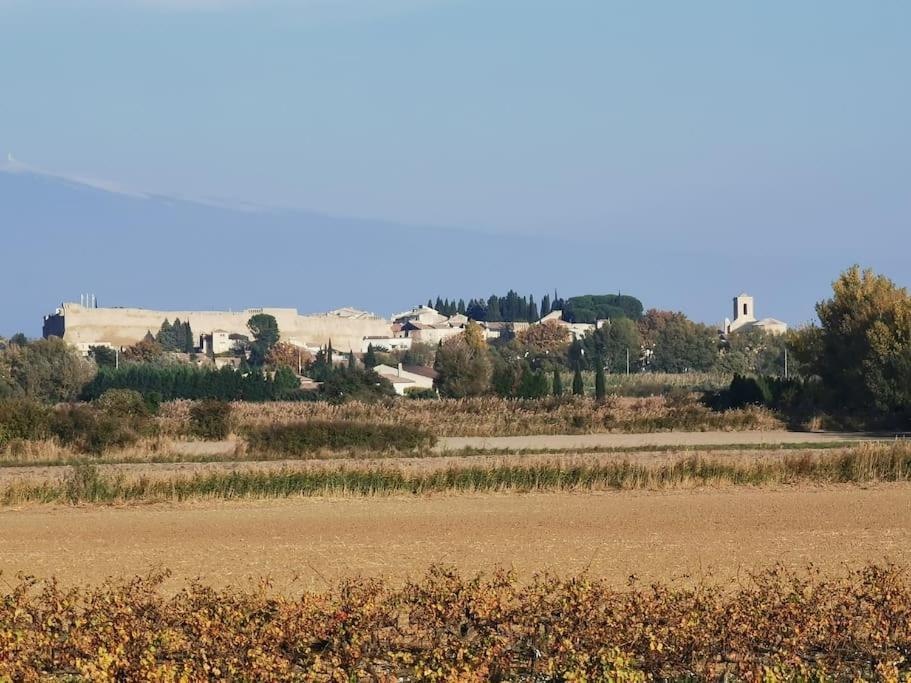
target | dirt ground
[
  {"x": 304, "y": 543},
  {"x": 662, "y": 439}
]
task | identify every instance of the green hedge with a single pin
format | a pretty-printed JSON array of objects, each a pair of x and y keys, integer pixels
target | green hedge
[{"x": 307, "y": 437}]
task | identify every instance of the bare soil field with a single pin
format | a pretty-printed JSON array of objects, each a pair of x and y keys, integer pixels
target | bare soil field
[{"x": 304, "y": 543}]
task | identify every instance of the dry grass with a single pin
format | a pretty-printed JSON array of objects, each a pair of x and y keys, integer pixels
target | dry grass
[
  {"x": 501, "y": 417},
  {"x": 864, "y": 464}
]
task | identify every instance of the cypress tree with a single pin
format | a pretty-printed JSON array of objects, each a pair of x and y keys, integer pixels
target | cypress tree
[
  {"x": 557, "y": 384},
  {"x": 329, "y": 355},
  {"x": 461, "y": 307},
  {"x": 351, "y": 362},
  {"x": 545, "y": 305},
  {"x": 600, "y": 384},
  {"x": 493, "y": 310},
  {"x": 179, "y": 335},
  {"x": 189, "y": 342},
  {"x": 429, "y": 303},
  {"x": 370, "y": 357},
  {"x": 578, "y": 387},
  {"x": 532, "y": 310}
]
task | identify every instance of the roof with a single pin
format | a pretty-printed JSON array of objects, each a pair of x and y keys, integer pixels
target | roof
[
  {"x": 394, "y": 378},
  {"x": 421, "y": 370},
  {"x": 348, "y": 312}
]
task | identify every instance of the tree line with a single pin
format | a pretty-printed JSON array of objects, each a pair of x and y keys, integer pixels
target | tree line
[{"x": 510, "y": 308}]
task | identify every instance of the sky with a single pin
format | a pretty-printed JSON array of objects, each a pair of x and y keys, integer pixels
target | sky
[{"x": 714, "y": 132}]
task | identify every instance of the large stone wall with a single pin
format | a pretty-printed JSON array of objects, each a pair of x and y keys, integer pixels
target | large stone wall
[{"x": 126, "y": 326}]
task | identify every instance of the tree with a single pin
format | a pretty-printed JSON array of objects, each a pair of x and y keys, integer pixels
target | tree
[
  {"x": 653, "y": 322},
  {"x": 534, "y": 384},
  {"x": 264, "y": 329},
  {"x": 611, "y": 343},
  {"x": 463, "y": 366},
  {"x": 370, "y": 357},
  {"x": 167, "y": 336},
  {"x": 557, "y": 384},
  {"x": 578, "y": 385},
  {"x": 104, "y": 356},
  {"x": 352, "y": 363},
  {"x": 684, "y": 346},
  {"x": 600, "y": 384},
  {"x": 550, "y": 338},
  {"x": 753, "y": 352},
  {"x": 591, "y": 308},
  {"x": 420, "y": 354},
  {"x": 45, "y": 370},
  {"x": 285, "y": 355},
  {"x": 532, "y": 310},
  {"x": 19, "y": 339},
  {"x": 493, "y": 310},
  {"x": 144, "y": 351},
  {"x": 862, "y": 346},
  {"x": 545, "y": 305}
]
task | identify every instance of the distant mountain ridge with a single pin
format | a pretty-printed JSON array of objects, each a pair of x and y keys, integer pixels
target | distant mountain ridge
[{"x": 62, "y": 237}]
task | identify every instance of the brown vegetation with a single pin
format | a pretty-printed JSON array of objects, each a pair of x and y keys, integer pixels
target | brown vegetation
[
  {"x": 502, "y": 417},
  {"x": 774, "y": 625}
]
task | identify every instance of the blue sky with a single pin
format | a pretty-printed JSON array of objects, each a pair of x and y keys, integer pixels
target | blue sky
[{"x": 712, "y": 131}]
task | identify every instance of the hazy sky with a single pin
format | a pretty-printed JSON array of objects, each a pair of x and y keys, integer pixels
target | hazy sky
[{"x": 718, "y": 126}]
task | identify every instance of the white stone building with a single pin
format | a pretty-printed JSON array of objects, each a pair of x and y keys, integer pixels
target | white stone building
[
  {"x": 407, "y": 377},
  {"x": 745, "y": 318}
]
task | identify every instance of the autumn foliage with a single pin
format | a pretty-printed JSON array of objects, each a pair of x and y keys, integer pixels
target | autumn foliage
[{"x": 771, "y": 626}]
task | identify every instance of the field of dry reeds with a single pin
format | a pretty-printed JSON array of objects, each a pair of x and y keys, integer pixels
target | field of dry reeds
[
  {"x": 86, "y": 483},
  {"x": 491, "y": 416}
]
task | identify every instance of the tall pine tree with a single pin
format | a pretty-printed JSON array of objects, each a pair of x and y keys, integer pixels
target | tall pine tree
[{"x": 557, "y": 384}]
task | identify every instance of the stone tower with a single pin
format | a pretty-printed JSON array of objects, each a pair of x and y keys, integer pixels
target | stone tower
[{"x": 743, "y": 310}]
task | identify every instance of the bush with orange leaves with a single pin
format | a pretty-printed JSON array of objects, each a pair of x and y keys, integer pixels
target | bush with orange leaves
[{"x": 774, "y": 626}]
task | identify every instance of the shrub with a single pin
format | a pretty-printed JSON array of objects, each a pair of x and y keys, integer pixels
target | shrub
[
  {"x": 419, "y": 393},
  {"x": 307, "y": 437},
  {"x": 126, "y": 403},
  {"x": 93, "y": 431},
  {"x": 84, "y": 484},
  {"x": 210, "y": 419},
  {"x": 23, "y": 419}
]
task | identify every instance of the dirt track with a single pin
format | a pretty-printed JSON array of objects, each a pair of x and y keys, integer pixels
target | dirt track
[
  {"x": 654, "y": 535},
  {"x": 661, "y": 439}
]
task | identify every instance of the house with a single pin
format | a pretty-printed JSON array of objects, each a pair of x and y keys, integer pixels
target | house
[
  {"x": 577, "y": 330},
  {"x": 429, "y": 333},
  {"x": 227, "y": 361},
  {"x": 221, "y": 341},
  {"x": 420, "y": 314},
  {"x": 745, "y": 319},
  {"x": 407, "y": 377}
]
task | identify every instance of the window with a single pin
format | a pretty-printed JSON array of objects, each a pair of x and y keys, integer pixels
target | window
[{"x": 744, "y": 309}]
